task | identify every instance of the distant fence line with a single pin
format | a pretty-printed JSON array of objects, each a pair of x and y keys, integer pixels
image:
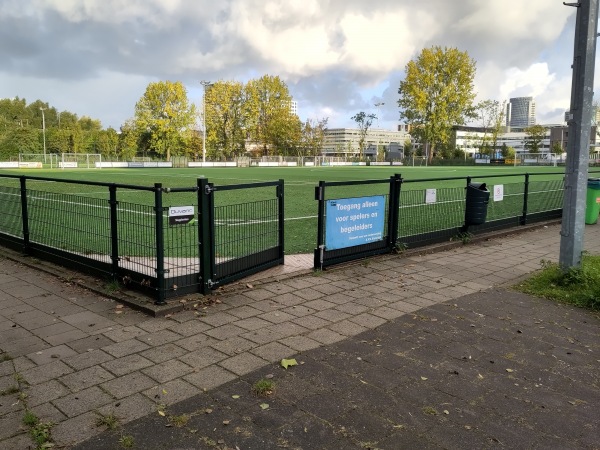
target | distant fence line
[{"x": 203, "y": 236}]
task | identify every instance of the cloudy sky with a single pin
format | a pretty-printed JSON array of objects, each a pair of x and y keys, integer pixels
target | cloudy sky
[{"x": 338, "y": 57}]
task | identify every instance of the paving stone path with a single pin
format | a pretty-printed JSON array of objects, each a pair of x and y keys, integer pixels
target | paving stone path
[{"x": 71, "y": 356}]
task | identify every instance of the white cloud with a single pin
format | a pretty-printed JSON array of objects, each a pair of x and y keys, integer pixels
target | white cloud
[
  {"x": 532, "y": 81},
  {"x": 334, "y": 54}
]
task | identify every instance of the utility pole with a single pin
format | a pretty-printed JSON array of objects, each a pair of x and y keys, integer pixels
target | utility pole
[
  {"x": 204, "y": 85},
  {"x": 378, "y": 105},
  {"x": 44, "y": 130},
  {"x": 579, "y": 123}
]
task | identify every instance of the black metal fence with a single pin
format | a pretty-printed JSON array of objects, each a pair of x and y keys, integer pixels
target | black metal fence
[
  {"x": 133, "y": 234},
  {"x": 417, "y": 215},
  {"x": 386, "y": 226},
  {"x": 127, "y": 233}
]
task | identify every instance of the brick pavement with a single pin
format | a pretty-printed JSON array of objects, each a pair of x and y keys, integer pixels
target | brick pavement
[{"x": 76, "y": 355}]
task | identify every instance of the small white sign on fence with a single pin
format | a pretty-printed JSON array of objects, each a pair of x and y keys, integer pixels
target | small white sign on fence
[
  {"x": 430, "y": 196},
  {"x": 498, "y": 192}
]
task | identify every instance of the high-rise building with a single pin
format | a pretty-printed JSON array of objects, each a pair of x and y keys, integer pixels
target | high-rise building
[{"x": 520, "y": 112}]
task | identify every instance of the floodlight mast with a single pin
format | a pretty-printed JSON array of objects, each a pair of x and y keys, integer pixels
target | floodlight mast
[
  {"x": 580, "y": 115},
  {"x": 44, "y": 130},
  {"x": 204, "y": 85},
  {"x": 378, "y": 105}
]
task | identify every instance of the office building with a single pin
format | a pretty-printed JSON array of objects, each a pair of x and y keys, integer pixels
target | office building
[{"x": 520, "y": 112}]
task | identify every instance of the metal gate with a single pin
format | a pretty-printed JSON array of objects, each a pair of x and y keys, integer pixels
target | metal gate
[{"x": 241, "y": 230}]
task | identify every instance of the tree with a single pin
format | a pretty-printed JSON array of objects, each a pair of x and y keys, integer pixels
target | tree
[
  {"x": 165, "y": 113},
  {"x": 108, "y": 142},
  {"x": 437, "y": 93},
  {"x": 535, "y": 134},
  {"x": 312, "y": 137},
  {"x": 491, "y": 116},
  {"x": 287, "y": 138},
  {"x": 266, "y": 110},
  {"x": 129, "y": 140},
  {"x": 224, "y": 119},
  {"x": 22, "y": 140},
  {"x": 363, "y": 121},
  {"x": 557, "y": 148}
]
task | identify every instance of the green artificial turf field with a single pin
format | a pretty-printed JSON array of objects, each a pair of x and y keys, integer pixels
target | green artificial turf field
[{"x": 300, "y": 205}]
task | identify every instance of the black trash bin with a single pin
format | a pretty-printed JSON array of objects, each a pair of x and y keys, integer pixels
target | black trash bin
[{"x": 477, "y": 201}]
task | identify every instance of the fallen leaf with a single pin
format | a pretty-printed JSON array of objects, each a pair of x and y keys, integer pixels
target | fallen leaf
[
  {"x": 509, "y": 370},
  {"x": 226, "y": 422},
  {"x": 164, "y": 391},
  {"x": 424, "y": 378},
  {"x": 285, "y": 363},
  {"x": 249, "y": 286},
  {"x": 446, "y": 411},
  {"x": 235, "y": 396},
  {"x": 264, "y": 406},
  {"x": 119, "y": 306},
  {"x": 480, "y": 376},
  {"x": 118, "y": 312},
  {"x": 269, "y": 376},
  {"x": 161, "y": 413},
  {"x": 208, "y": 410}
]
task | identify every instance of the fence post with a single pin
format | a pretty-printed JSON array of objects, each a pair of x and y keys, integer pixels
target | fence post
[
  {"x": 160, "y": 245},
  {"x": 525, "y": 200},
  {"x": 318, "y": 255},
  {"x": 281, "y": 216},
  {"x": 205, "y": 227},
  {"x": 393, "y": 214},
  {"x": 24, "y": 214},
  {"x": 465, "y": 227},
  {"x": 114, "y": 233}
]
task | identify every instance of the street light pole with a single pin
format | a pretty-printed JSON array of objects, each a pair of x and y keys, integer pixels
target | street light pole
[
  {"x": 378, "y": 105},
  {"x": 204, "y": 85},
  {"x": 44, "y": 130}
]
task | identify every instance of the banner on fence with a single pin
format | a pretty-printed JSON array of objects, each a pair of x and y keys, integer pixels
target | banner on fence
[
  {"x": 180, "y": 215},
  {"x": 30, "y": 165},
  {"x": 354, "y": 221},
  {"x": 9, "y": 165},
  {"x": 212, "y": 164}
]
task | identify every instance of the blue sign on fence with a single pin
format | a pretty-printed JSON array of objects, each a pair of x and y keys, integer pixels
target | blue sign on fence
[{"x": 354, "y": 221}]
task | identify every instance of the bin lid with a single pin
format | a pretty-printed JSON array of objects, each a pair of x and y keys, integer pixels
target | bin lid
[
  {"x": 480, "y": 186},
  {"x": 594, "y": 183}
]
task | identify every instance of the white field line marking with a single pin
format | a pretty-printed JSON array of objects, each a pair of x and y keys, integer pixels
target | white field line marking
[{"x": 223, "y": 222}]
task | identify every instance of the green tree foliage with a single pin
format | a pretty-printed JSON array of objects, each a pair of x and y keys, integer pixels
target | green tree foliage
[
  {"x": 225, "y": 133},
  {"x": 108, "y": 143},
  {"x": 535, "y": 134},
  {"x": 312, "y": 135},
  {"x": 491, "y": 116},
  {"x": 21, "y": 140},
  {"x": 165, "y": 113},
  {"x": 130, "y": 140},
  {"x": 557, "y": 148},
  {"x": 21, "y": 129},
  {"x": 437, "y": 93},
  {"x": 363, "y": 121},
  {"x": 267, "y": 113}
]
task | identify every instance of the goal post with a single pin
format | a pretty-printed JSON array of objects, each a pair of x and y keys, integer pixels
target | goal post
[
  {"x": 40, "y": 159},
  {"x": 418, "y": 161},
  {"x": 538, "y": 159},
  {"x": 80, "y": 160}
]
